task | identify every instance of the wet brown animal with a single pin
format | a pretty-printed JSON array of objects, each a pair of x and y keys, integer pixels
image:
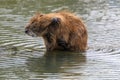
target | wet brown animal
[{"x": 60, "y": 31}]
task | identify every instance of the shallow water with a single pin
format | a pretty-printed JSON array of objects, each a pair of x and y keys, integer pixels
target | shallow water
[{"x": 24, "y": 58}]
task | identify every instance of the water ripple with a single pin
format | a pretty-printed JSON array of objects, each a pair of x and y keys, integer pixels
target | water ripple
[{"x": 13, "y": 38}]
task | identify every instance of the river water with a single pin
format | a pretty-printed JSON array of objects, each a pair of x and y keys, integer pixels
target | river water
[{"x": 24, "y": 58}]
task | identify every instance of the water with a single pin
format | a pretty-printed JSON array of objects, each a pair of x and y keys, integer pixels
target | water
[{"x": 24, "y": 58}]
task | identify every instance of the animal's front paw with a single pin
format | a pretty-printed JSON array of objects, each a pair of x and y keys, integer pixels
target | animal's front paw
[{"x": 62, "y": 43}]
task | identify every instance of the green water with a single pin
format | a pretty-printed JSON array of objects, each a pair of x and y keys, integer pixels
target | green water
[{"x": 24, "y": 58}]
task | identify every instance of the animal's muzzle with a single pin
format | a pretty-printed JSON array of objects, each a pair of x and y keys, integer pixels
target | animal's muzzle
[{"x": 26, "y": 31}]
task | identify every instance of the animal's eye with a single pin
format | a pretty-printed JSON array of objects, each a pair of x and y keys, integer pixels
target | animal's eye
[{"x": 34, "y": 28}]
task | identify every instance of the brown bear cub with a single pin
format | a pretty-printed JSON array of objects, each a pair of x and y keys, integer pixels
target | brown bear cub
[{"x": 60, "y": 31}]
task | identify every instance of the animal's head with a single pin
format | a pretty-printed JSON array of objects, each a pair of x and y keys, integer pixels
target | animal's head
[{"x": 40, "y": 24}]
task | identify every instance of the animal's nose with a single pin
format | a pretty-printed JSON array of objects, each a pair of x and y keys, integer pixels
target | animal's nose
[{"x": 26, "y": 31}]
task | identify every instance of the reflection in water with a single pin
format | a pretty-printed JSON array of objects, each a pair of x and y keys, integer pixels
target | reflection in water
[
  {"x": 55, "y": 62},
  {"x": 23, "y": 58}
]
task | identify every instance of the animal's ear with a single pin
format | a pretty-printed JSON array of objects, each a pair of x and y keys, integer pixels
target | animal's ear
[
  {"x": 39, "y": 14},
  {"x": 55, "y": 20}
]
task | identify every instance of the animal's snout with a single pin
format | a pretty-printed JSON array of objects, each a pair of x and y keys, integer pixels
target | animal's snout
[{"x": 26, "y": 31}]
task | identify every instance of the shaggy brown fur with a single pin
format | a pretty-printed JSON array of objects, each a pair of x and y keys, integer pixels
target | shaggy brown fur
[{"x": 60, "y": 31}]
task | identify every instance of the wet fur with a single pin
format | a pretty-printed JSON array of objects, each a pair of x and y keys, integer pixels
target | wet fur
[{"x": 60, "y": 31}]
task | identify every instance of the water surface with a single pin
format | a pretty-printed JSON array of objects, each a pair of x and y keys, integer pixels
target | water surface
[{"x": 24, "y": 58}]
